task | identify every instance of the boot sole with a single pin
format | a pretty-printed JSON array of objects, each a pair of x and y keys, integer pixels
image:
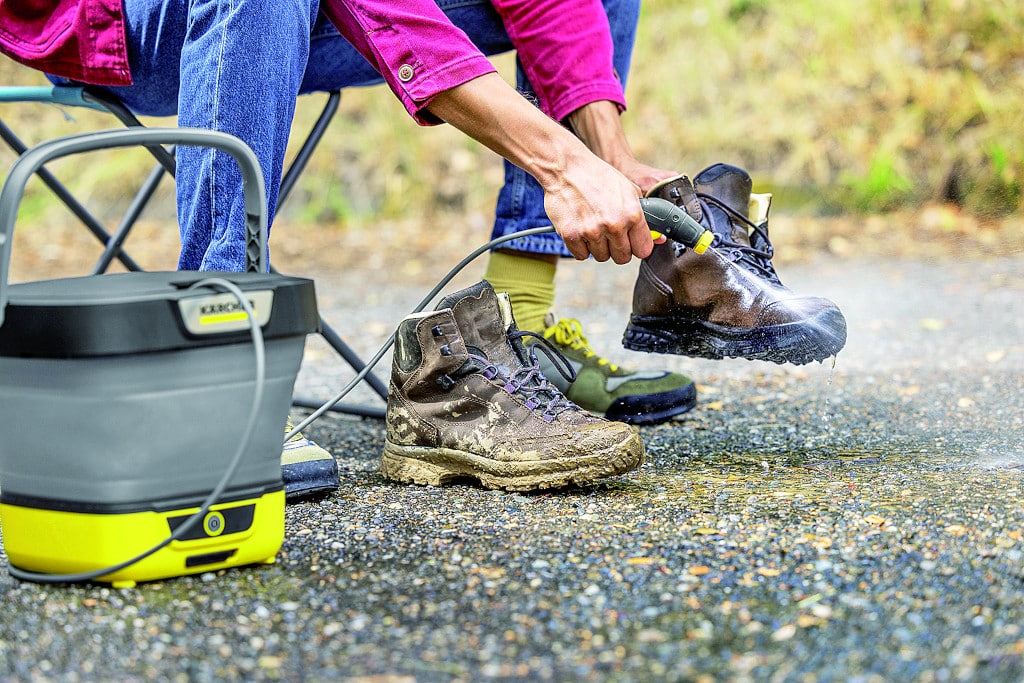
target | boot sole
[
  {"x": 799, "y": 343},
  {"x": 308, "y": 480},
  {"x": 651, "y": 409},
  {"x": 428, "y": 466}
]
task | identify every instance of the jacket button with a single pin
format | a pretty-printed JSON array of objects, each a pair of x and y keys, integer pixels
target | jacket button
[{"x": 405, "y": 73}]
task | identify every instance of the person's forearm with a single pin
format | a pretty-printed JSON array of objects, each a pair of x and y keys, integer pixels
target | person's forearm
[
  {"x": 494, "y": 114},
  {"x": 599, "y": 126},
  {"x": 593, "y": 206}
]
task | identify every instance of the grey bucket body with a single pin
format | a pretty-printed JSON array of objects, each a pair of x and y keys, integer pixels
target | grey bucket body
[
  {"x": 140, "y": 432},
  {"x": 110, "y": 400}
]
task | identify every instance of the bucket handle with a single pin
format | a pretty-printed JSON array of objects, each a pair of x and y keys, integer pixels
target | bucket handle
[{"x": 34, "y": 158}]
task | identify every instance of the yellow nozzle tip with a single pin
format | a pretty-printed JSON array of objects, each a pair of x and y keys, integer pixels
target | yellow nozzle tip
[
  {"x": 704, "y": 242},
  {"x": 655, "y": 235}
]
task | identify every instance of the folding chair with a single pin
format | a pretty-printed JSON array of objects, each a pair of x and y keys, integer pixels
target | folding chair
[{"x": 78, "y": 96}]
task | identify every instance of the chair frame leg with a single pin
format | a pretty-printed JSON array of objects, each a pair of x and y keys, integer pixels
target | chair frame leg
[
  {"x": 166, "y": 165},
  {"x": 68, "y": 199}
]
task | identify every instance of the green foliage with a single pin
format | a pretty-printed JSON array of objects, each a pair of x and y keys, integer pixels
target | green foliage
[
  {"x": 876, "y": 105},
  {"x": 739, "y": 9},
  {"x": 882, "y": 189},
  {"x": 998, "y": 186}
]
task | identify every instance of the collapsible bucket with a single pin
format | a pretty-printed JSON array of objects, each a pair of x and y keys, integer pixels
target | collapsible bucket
[{"x": 124, "y": 399}]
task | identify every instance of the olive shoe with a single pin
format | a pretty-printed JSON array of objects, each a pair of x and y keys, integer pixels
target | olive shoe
[{"x": 602, "y": 387}]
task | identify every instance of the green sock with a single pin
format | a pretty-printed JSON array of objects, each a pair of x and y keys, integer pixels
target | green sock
[{"x": 530, "y": 284}]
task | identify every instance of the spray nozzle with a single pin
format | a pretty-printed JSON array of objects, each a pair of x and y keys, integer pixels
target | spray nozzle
[{"x": 668, "y": 219}]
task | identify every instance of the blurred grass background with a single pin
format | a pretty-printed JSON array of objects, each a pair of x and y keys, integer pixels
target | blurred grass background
[{"x": 845, "y": 108}]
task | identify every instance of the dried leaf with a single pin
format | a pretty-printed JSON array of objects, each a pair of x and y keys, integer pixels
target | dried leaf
[
  {"x": 809, "y": 600},
  {"x": 490, "y": 572},
  {"x": 650, "y": 635}
]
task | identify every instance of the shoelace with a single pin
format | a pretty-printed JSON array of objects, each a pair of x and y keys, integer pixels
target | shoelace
[
  {"x": 569, "y": 332},
  {"x": 760, "y": 259},
  {"x": 529, "y": 381}
]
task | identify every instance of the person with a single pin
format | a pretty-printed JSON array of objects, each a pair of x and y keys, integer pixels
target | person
[{"x": 239, "y": 68}]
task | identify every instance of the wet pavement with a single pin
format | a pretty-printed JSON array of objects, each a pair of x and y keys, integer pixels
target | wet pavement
[{"x": 862, "y": 521}]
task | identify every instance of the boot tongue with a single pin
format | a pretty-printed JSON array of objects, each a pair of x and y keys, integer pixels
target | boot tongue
[
  {"x": 679, "y": 191},
  {"x": 731, "y": 186},
  {"x": 484, "y": 322}
]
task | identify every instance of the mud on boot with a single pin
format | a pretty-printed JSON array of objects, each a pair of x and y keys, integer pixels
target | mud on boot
[
  {"x": 729, "y": 301},
  {"x": 467, "y": 399}
]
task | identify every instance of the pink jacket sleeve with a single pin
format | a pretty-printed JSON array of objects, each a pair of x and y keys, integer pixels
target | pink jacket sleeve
[
  {"x": 565, "y": 48},
  {"x": 563, "y": 44},
  {"x": 83, "y": 40},
  {"x": 413, "y": 45}
]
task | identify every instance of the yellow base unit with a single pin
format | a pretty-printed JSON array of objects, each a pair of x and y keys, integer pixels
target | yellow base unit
[
  {"x": 148, "y": 389},
  {"x": 230, "y": 534}
]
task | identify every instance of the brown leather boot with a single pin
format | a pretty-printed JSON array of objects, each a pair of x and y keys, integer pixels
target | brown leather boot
[
  {"x": 467, "y": 399},
  {"x": 729, "y": 301}
]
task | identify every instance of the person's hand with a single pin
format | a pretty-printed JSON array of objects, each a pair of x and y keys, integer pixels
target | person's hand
[
  {"x": 596, "y": 210},
  {"x": 591, "y": 205},
  {"x": 599, "y": 126},
  {"x": 645, "y": 177}
]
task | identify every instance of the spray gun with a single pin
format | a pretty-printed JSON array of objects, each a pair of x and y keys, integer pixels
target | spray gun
[{"x": 668, "y": 219}]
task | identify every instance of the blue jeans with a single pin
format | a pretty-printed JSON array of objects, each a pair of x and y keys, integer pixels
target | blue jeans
[{"x": 209, "y": 62}]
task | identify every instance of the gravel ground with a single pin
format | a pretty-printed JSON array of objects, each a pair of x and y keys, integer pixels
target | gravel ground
[{"x": 856, "y": 522}]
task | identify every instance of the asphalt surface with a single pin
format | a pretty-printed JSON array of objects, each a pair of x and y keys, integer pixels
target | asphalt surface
[{"x": 856, "y": 522}]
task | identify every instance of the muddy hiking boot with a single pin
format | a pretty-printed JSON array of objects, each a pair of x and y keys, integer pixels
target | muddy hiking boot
[
  {"x": 467, "y": 399},
  {"x": 729, "y": 301}
]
